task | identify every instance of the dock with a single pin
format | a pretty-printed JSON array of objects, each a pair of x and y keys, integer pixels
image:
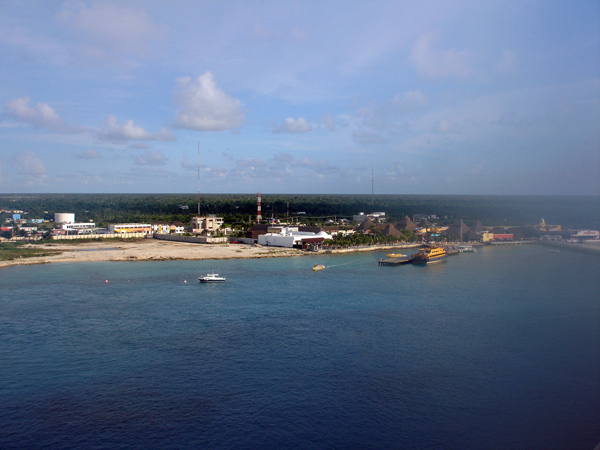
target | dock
[{"x": 395, "y": 261}]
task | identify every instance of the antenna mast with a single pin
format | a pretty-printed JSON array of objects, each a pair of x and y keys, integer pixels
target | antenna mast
[
  {"x": 198, "y": 178},
  {"x": 372, "y": 186}
]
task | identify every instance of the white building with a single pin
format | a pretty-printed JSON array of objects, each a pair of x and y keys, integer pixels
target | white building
[
  {"x": 289, "y": 237},
  {"x": 78, "y": 226},
  {"x": 361, "y": 217}
]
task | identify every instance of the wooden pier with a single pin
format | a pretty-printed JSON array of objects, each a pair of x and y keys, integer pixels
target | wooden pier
[{"x": 395, "y": 261}]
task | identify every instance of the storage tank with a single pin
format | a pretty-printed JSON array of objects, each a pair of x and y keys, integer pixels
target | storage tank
[{"x": 64, "y": 217}]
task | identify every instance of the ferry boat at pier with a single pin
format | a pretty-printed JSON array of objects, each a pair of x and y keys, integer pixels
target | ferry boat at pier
[{"x": 429, "y": 255}]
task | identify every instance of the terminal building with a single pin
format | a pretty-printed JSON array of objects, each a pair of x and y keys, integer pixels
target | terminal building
[{"x": 290, "y": 237}]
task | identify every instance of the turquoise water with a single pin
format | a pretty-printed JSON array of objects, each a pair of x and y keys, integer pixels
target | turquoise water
[{"x": 495, "y": 349}]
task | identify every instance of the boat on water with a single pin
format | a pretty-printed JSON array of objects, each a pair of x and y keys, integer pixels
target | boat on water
[
  {"x": 466, "y": 248},
  {"x": 395, "y": 255},
  {"x": 555, "y": 251},
  {"x": 211, "y": 278},
  {"x": 318, "y": 267},
  {"x": 429, "y": 255}
]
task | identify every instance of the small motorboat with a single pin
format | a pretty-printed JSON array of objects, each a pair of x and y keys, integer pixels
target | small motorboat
[
  {"x": 318, "y": 267},
  {"x": 211, "y": 278},
  {"x": 395, "y": 255}
]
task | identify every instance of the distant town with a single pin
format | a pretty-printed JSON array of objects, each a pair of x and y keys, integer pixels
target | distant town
[{"x": 291, "y": 231}]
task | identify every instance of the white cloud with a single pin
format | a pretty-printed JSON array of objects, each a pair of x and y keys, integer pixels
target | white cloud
[
  {"x": 88, "y": 154},
  {"x": 410, "y": 101},
  {"x": 329, "y": 122},
  {"x": 113, "y": 131},
  {"x": 121, "y": 29},
  {"x": 40, "y": 116},
  {"x": 436, "y": 63},
  {"x": 291, "y": 125},
  {"x": 205, "y": 107},
  {"x": 27, "y": 163},
  {"x": 150, "y": 158},
  {"x": 445, "y": 126}
]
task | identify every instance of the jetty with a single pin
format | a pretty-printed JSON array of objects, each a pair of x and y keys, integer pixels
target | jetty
[{"x": 395, "y": 261}]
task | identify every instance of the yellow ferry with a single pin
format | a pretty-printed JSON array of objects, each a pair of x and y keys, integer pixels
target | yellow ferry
[
  {"x": 429, "y": 255},
  {"x": 318, "y": 267}
]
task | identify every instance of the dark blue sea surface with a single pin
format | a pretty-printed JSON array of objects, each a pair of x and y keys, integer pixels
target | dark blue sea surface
[{"x": 498, "y": 349}]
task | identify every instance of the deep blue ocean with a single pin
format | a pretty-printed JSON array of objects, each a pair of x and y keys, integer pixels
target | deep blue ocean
[{"x": 498, "y": 349}]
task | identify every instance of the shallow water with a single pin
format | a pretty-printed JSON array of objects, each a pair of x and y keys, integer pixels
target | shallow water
[{"x": 495, "y": 349}]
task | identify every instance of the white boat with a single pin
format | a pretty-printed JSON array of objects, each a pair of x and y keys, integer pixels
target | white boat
[
  {"x": 466, "y": 248},
  {"x": 211, "y": 278}
]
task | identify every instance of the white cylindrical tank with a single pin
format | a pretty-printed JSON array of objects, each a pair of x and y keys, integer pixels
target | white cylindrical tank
[{"x": 64, "y": 218}]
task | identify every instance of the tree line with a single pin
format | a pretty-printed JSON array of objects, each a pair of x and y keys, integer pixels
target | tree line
[{"x": 568, "y": 211}]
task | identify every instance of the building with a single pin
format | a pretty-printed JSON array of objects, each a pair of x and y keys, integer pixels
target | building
[
  {"x": 290, "y": 237},
  {"x": 78, "y": 226},
  {"x": 361, "y": 217},
  {"x": 487, "y": 236},
  {"x": 405, "y": 224},
  {"x": 257, "y": 230},
  {"x": 168, "y": 228},
  {"x": 130, "y": 228},
  {"x": 208, "y": 224},
  {"x": 584, "y": 235}
]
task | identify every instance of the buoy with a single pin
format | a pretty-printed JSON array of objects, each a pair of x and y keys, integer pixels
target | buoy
[
  {"x": 184, "y": 281},
  {"x": 106, "y": 281}
]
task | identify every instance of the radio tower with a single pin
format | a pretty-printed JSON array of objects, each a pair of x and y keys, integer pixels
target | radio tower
[
  {"x": 198, "y": 183},
  {"x": 372, "y": 186},
  {"x": 258, "y": 215}
]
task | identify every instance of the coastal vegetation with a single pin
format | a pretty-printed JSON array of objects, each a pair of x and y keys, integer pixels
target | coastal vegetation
[{"x": 10, "y": 251}]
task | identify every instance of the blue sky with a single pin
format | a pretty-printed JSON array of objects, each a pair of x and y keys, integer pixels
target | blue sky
[{"x": 448, "y": 97}]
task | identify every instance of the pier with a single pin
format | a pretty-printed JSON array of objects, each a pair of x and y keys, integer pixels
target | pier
[{"x": 395, "y": 261}]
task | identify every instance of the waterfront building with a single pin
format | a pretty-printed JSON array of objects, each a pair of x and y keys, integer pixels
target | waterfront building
[
  {"x": 208, "y": 224},
  {"x": 291, "y": 238},
  {"x": 487, "y": 236},
  {"x": 130, "y": 228}
]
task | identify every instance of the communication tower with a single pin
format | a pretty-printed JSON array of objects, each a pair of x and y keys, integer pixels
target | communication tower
[
  {"x": 258, "y": 215},
  {"x": 372, "y": 186}
]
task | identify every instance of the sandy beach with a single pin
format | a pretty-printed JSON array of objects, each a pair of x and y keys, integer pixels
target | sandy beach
[{"x": 158, "y": 250}]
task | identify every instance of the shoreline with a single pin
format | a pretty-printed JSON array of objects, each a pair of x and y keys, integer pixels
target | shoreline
[{"x": 158, "y": 250}]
